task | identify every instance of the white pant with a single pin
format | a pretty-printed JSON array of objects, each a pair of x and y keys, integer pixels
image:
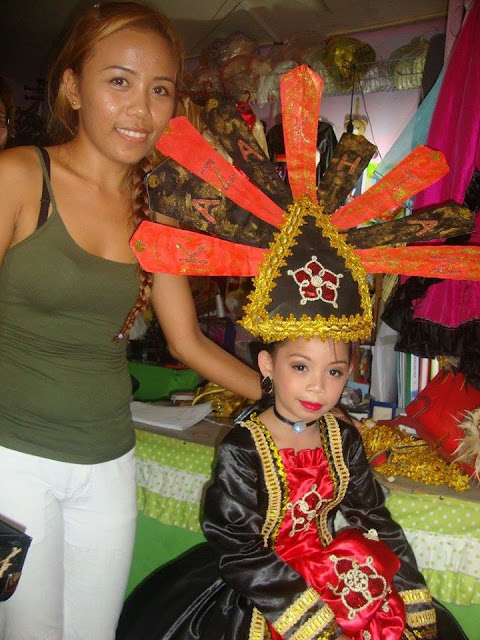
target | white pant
[{"x": 82, "y": 521}]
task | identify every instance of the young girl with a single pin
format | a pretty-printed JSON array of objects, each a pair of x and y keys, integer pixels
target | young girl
[
  {"x": 307, "y": 377},
  {"x": 280, "y": 479},
  {"x": 70, "y": 289}
]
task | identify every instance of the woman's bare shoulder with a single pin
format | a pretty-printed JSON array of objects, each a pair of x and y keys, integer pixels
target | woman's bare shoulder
[
  {"x": 17, "y": 164},
  {"x": 20, "y": 191}
]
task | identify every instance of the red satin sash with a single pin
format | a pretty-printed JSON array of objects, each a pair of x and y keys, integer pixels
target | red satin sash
[{"x": 354, "y": 573}]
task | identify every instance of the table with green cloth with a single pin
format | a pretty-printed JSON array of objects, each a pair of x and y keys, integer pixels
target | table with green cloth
[
  {"x": 172, "y": 473},
  {"x": 174, "y": 467}
]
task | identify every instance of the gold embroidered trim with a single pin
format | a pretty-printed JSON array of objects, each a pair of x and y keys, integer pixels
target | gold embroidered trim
[
  {"x": 421, "y": 618},
  {"x": 416, "y": 596},
  {"x": 332, "y": 446},
  {"x": 5, "y": 563},
  {"x": 259, "y": 434},
  {"x": 258, "y": 626},
  {"x": 316, "y": 625},
  {"x": 295, "y": 611},
  {"x": 271, "y": 329},
  {"x": 282, "y": 476}
]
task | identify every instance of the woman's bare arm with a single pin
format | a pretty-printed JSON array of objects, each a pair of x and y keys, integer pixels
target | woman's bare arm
[{"x": 175, "y": 310}]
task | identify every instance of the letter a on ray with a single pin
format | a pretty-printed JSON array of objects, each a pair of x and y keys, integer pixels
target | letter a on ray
[{"x": 182, "y": 142}]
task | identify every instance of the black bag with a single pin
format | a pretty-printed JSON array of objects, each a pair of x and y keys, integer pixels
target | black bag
[{"x": 14, "y": 545}]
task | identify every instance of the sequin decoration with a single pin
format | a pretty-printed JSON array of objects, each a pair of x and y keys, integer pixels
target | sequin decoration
[{"x": 407, "y": 456}]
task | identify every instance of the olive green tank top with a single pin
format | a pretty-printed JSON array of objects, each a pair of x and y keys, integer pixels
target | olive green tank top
[{"x": 65, "y": 390}]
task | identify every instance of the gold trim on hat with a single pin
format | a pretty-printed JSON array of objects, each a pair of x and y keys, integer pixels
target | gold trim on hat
[{"x": 272, "y": 329}]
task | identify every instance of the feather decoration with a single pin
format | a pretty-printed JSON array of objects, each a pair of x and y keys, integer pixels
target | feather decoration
[{"x": 468, "y": 450}]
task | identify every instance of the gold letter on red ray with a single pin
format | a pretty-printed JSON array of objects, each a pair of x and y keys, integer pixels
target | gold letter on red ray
[
  {"x": 421, "y": 168},
  {"x": 161, "y": 248},
  {"x": 301, "y": 94},
  {"x": 182, "y": 142}
]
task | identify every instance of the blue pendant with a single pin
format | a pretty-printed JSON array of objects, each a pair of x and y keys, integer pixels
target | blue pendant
[{"x": 298, "y": 427}]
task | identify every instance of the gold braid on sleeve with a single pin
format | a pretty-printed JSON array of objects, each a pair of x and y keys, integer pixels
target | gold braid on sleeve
[
  {"x": 422, "y": 623},
  {"x": 295, "y": 611},
  {"x": 320, "y": 626},
  {"x": 416, "y": 596}
]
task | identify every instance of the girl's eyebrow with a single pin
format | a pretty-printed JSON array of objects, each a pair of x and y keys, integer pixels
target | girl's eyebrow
[
  {"x": 299, "y": 355},
  {"x": 114, "y": 67},
  {"x": 302, "y": 355}
]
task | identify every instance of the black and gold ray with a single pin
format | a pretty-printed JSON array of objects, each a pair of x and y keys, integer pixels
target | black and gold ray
[
  {"x": 176, "y": 192},
  {"x": 222, "y": 119}
]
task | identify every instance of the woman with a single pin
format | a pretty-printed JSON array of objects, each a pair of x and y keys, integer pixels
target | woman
[{"x": 69, "y": 292}]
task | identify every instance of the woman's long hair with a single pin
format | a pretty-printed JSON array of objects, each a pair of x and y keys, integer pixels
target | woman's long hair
[{"x": 6, "y": 96}]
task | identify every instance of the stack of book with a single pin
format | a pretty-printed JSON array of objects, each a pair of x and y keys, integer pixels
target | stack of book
[{"x": 413, "y": 375}]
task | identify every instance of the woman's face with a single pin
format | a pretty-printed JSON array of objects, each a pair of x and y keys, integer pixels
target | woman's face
[
  {"x": 3, "y": 126},
  {"x": 125, "y": 94},
  {"x": 308, "y": 376}
]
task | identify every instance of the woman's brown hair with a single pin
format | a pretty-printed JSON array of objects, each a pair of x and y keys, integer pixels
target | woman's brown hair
[
  {"x": 6, "y": 96},
  {"x": 92, "y": 25}
]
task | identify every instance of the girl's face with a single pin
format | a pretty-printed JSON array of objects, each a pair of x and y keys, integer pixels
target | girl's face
[
  {"x": 308, "y": 376},
  {"x": 125, "y": 94},
  {"x": 3, "y": 129}
]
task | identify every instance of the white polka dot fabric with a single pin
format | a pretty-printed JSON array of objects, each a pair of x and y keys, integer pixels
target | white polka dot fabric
[
  {"x": 171, "y": 475},
  {"x": 445, "y": 535}
]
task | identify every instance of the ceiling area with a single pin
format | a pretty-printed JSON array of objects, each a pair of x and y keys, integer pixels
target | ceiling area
[{"x": 29, "y": 28}]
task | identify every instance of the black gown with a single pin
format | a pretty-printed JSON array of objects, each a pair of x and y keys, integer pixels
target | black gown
[{"x": 235, "y": 585}]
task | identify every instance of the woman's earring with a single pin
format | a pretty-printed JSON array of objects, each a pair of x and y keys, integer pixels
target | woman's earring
[{"x": 267, "y": 385}]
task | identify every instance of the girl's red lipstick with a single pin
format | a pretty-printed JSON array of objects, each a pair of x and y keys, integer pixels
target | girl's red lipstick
[{"x": 311, "y": 406}]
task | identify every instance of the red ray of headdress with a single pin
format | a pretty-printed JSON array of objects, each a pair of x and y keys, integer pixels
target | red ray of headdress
[
  {"x": 182, "y": 142},
  {"x": 449, "y": 262},
  {"x": 164, "y": 249},
  {"x": 301, "y": 96},
  {"x": 421, "y": 168}
]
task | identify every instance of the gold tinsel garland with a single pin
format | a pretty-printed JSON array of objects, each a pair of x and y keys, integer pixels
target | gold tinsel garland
[
  {"x": 409, "y": 457},
  {"x": 224, "y": 403}
]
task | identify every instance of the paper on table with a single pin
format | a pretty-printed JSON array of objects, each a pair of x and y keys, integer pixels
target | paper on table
[{"x": 177, "y": 418}]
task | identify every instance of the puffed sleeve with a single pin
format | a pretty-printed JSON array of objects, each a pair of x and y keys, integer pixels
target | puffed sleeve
[
  {"x": 365, "y": 490},
  {"x": 234, "y": 513}
]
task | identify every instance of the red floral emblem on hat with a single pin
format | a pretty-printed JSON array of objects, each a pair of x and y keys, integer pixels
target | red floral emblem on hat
[{"x": 316, "y": 282}]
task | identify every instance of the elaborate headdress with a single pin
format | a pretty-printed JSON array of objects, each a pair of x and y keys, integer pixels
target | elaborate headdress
[{"x": 310, "y": 275}]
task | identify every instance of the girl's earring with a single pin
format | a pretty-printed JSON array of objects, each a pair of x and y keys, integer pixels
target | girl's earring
[{"x": 267, "y": 385}]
